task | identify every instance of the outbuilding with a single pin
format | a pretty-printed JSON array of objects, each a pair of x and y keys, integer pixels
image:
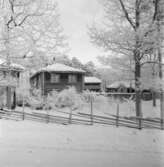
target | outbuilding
[
  {"x": 92, "y": 83},
  {"x": 121, "y": 87},
  {"x": 9, "y": 80}
]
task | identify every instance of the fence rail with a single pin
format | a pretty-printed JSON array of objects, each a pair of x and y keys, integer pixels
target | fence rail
[{"x": 83, "y": 119}]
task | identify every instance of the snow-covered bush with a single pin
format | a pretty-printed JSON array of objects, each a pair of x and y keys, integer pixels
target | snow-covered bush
[
  {"x": 95, "y": 97},
  {"x": 96, "y": 103},
  {"x": 69, "y": 98},
  {"x": 66, "y": 98},
  {"x": 51, "y": 99},
  {"x": 36, "y": 100},
  {"x": 31, "y": 99},
  {"x": 89, "y": 95}
]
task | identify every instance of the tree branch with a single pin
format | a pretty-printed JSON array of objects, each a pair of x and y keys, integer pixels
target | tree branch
[
  {"x": 151, "y": 62},
  {"x": 126, "y": 14},
  {"x": 155, "y": 10},
  {"x": 26, "y": 17}
]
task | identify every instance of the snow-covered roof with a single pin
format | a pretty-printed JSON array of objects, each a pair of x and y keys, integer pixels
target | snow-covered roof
[
  {"x": 13, "y": 66},
  {"x": 126, "y": 84},
  {"x": 91, "y": 80},
  {"x": 61, "y": 68}
]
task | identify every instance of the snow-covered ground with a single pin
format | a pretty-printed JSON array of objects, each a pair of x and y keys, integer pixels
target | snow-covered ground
[
  {"x": 105, "y": 107},
  {"x": 32, "y": 144},
  {"x": 125, "y": 108}
]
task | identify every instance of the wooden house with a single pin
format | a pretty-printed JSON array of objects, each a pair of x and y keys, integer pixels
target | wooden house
[
  {"x": 57, "y": 77},
  {"x": 121, "y": 87},
  {"x": 9, "y": 80},
  {"x": 92, "y": 84}
]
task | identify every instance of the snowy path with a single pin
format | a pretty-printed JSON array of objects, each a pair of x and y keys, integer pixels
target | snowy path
[{"x": 26, "y": 144}]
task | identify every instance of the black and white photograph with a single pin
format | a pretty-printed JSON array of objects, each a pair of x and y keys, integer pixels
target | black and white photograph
[{"x": 81, "y": 83}]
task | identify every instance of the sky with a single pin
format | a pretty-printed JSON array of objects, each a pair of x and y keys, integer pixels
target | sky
[{"x": 76, "y": 15}]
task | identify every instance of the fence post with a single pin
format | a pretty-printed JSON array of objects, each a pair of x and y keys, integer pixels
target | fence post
[
  {"x": 91, "y": 99},
  {"x": 23, "y": 108},
  {"x": 162, "y": 124},
  {"x": 117, "y": 115},
  {"x": 139, "y": 122},
  {"x": 47, "y": 118},
  {"x": 70, "y": 116}
]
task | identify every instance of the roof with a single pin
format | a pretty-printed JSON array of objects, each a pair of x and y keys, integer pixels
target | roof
[
  {"x": 13, "y": 66},
  {"x": 91, "y": 80},
  {"x": 61, "y": 68},
  {"x": 126, "y": 84}
]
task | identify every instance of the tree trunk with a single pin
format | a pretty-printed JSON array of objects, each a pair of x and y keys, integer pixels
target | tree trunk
[
  {"x": 161, "y": 89},
  {"x": 154, "y": 98},
  {"x": 138, "y": 91},
  {"x": 159, "y": 19},
  {"x": 154, "y": 91},
  {"x": 137, "y": 61}
]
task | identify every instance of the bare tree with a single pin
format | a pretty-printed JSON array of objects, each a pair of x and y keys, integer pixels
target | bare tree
[
  {"x": 128, "y": 30},
  {"x": 159, "y": 18},
  {"x": 31, "y": 27}
]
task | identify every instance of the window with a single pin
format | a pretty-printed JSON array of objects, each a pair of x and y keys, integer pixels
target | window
[
  {"x": 72, "y": 79},
  {"x": 55, "y": 78},
  {"x": 35, "y": 82},
  {"x": 79, "y": 78},
  {"x": 47, "y": 76}
]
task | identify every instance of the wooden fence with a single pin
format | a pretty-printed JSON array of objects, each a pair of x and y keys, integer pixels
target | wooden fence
[{"x": 83, "y": 119}]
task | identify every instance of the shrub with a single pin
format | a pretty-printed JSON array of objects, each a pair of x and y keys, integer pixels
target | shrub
[
  {"x": 66, "y": 98},
  {"x": 35, "y": 103},
  {"x": 33, "y": 99},
  {"x": 69, "y": 98},
  {"x": 51, "y": 100},
  {"x": 100, "y": 102},
  {"x": 36, "y": 100},
  {"x": 88, "y": 95}
]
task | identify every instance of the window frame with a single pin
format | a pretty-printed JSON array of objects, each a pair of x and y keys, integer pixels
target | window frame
[
  {"x": 72, "y": 78},
  {"x": 55, "y": 78}
]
